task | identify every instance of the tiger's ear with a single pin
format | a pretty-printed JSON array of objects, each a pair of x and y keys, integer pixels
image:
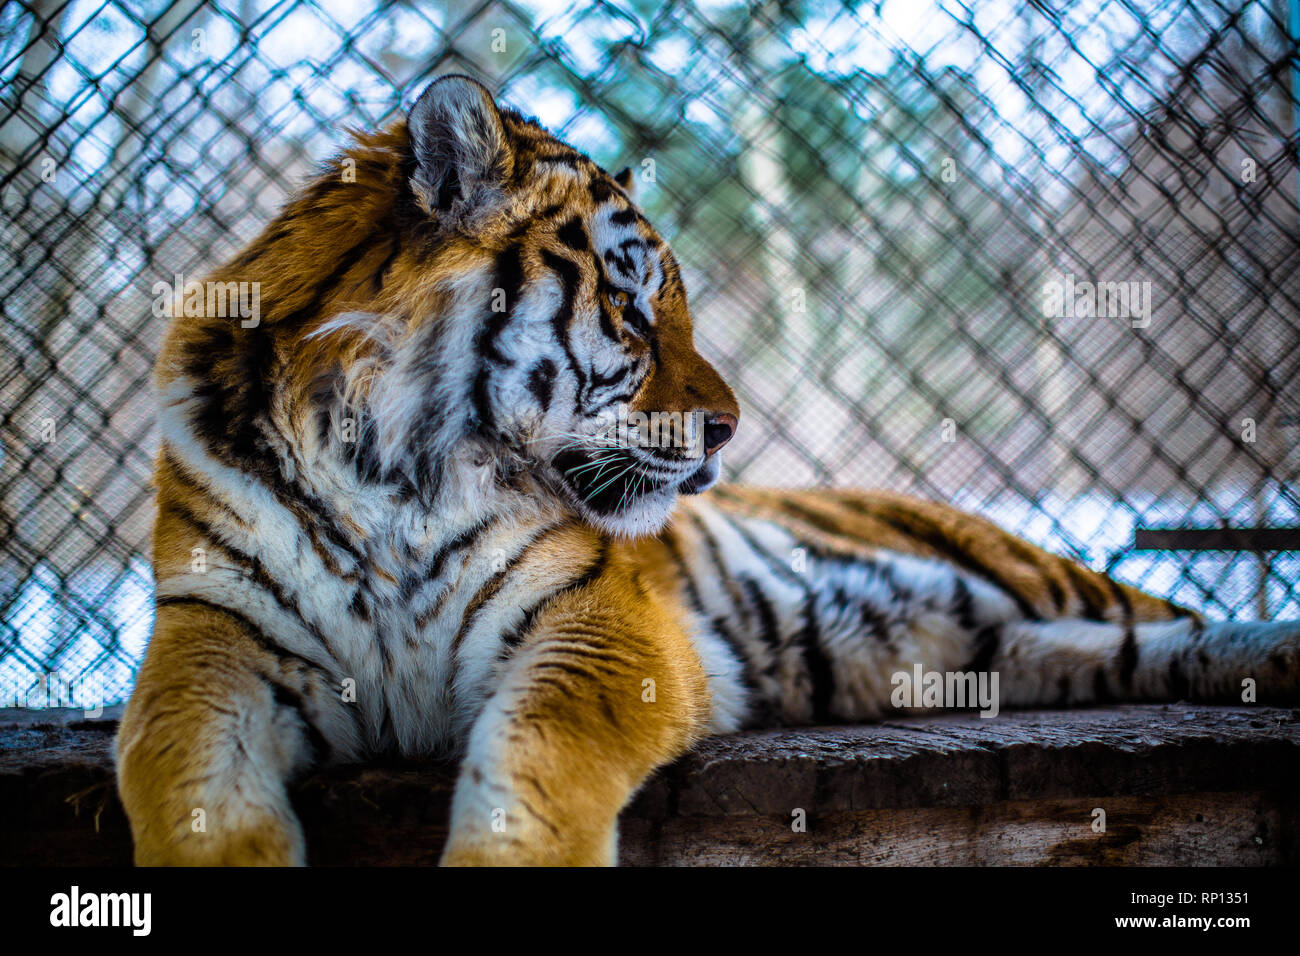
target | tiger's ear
[
  {"x": 462, "y": 155},
  {"x": 624, "y": 179}
]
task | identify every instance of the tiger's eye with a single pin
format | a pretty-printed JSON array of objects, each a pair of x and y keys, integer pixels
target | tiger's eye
[{"x": 619, "y": 299}]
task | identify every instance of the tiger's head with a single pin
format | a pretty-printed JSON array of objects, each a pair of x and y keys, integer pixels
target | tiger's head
[{"x": 465, "y": 284}]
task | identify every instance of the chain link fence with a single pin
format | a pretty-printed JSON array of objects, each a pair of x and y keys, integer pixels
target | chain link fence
[{"x": 1039, "y": 260}]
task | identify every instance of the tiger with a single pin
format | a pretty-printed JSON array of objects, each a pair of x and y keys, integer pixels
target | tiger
[{"x": 410, "y": 509}]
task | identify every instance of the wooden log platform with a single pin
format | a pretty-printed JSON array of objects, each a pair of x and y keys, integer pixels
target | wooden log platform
[{"x": 1178, "y": 784}]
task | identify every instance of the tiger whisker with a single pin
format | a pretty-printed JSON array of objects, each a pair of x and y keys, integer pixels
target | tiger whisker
[
  {"x": 579, "y": 469},
  {"x": 612, "y": 479}
]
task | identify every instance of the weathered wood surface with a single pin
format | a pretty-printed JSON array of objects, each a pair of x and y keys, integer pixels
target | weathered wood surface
[{"x": 1179, "y": 784}]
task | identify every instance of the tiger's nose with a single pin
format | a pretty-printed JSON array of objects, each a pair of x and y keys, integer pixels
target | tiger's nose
[{"x": 718, "y": 429}]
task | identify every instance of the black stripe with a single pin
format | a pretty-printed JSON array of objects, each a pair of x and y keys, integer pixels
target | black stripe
[
  {"x": 1086, "y": 588},
  {"x": 688, "y": 581},
  {"x": 482, "y": 400},
  {"x": 747, "y": 680},
  {"x": 1054, "y": 589},
  {"x": 197, "y": 486},
  {"x": 364, "y": 452},
  {"x": 886, "y": 573},
  {"x": 285, "y": 697},
  {"x": 559, "y": 153},
  {"x": 1127, "y": 659},
  {"x": 551, "y": 210},
  {"x": 1128, "y": 654},
  {"x": 607, "y": 326},
  {"x": 276, "y": 231},
  {"x": 937, "y": 541},
  {"x": 487, "y": 591},
  {"x": 768, "y": 628},
  {"x": 458, "y": 543},
  {"x": 433, "y": 569},
  {"x": 573, "y": 235},
  {"x": 255, "y": 633},
  {"x": 563, "y": 318},
  {"x": 1101, "y": 686},
  {"x": 360, "y": 606},
  {"x": 508, "y": 276},
  {"x": 821, "y": 671},
  {"x": 986, "y": 642},
  {"x": 637, "y": 321},
  {"x": 1032, "y": 557},
  {"x": 963, "y": 604},
  {"x": 378, "y": 276},
  {"x": 784, "y": 509},
  {"x": 229, "y": 420},
  {"x": 874, "y": 620},
  {"x": 326, "y": 286},
  {"x": 608, "y": 381},
  {"x": 585, "y": 651},
  {"x": 738, "y": 605},
  {"x": 613, "y": 401},
  {"x": 764, "y": 707},
  {"x": 573, "y": 670},
  {"x": 1120, "y": 598},
  {"x": 557, "y": 658},
  {"x": 621, "y": 258},
  {"x": 774, "y": 564},
  {"x": 1063, "y": 690},
  {"x": 260, "y": 574},
  {"x": 517, "y": 634},
  {"x": 541, "y": 382},
  {"x": 1179, "y": 686},
  {"x": 263, "y": 641}
]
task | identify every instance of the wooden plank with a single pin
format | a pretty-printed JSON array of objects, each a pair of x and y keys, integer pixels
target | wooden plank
[
  {"x": 1199, "y": 829},
  {"x": 1179, "y": 783},
  {"x": 1216, "y": 539}
]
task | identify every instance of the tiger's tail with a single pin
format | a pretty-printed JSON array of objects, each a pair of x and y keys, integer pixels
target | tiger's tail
[{"x": 1067, "y": 662}]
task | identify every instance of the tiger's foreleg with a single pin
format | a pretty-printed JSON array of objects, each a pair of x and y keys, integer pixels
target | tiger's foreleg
[
  {"x": 599, "y": 694},
  {"x": 211, "y": 734}
]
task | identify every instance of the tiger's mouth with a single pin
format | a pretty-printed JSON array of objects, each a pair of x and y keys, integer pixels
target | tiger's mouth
[
  {"x": 612, "y": 480},
  {"x": 606, "y": 480},
  {"x": 703, "y": 478}
]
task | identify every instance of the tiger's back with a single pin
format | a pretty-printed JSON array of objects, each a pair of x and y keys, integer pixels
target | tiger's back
[{"x": 815, "y": 606}]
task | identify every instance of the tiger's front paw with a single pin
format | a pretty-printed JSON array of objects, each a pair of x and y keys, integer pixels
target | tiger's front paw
[
  {"x": 268, "y": 842},
  {"x": 554, "y": 848}
]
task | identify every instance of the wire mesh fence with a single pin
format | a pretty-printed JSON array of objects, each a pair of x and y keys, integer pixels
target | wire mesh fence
[{"x": 1039, "y": 260}]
